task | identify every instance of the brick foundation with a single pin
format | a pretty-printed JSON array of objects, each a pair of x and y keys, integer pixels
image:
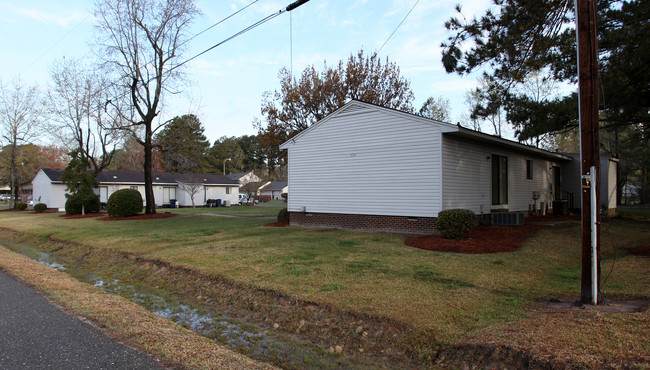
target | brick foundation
[{"x": 373, "y": 223}]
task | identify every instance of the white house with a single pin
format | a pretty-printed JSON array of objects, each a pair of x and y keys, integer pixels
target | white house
[
  {"x": 275, "y": 189},
  {"x": 49, "y": 189},
  {"x": 366, "y": 167},
  {"x": 244, "y": 178}
]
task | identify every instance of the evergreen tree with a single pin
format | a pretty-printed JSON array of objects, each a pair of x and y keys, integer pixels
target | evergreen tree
[
  {"x": 182, "y": 145},
  {"x": 80, "y": 182}
]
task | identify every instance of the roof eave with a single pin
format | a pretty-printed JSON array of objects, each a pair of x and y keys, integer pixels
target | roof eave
[{"x": 486, "y": 138}]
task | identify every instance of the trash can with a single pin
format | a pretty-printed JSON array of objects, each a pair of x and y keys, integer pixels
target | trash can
[
  {"x": 218, "y": 202},
  {"x": 172, "y": 203}
]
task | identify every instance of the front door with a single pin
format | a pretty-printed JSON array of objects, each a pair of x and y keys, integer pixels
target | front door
[{"x": 499, "y": 180}]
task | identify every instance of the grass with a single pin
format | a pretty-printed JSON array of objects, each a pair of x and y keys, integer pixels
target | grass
[
  {"x": 442, "y": 295},
  {"x": 635, "y": 212}
]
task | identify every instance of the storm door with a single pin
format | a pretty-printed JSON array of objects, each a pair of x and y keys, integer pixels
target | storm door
[{"x": 499, "y": 180}]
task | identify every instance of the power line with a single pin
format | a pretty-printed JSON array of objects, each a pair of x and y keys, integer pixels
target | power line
[
  {"x": 218, "y": 23},
  {"x": 55, "y": 44},
  {"x": 398, "y": 26},
  {"x": 289, "y": 8}
]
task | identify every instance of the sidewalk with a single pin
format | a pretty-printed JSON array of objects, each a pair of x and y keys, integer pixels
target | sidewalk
[{"x": 37, "y": 334}]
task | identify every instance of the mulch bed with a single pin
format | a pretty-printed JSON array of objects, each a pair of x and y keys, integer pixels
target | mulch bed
[
  {"x": 139, "y": 217},
  {"x": 87, "y": 215},
  {"x": 483, "y": 239},
  {"x": 277, "y": 224}
]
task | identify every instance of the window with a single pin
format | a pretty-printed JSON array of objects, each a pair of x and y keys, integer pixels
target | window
[
  {"x": 103, "y": 194},
  {"x": 227, "y": 190},
  {"x": 168, "y": 193},
  {"x": 133, "y": 187},
  {"x": 529, "y": 169},
  {"x": 499, "y": 180}
]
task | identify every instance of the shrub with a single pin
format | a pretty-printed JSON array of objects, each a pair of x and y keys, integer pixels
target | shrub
[
  {"x": 40, "y": 207},
  {"x": 454, "y": 223},
  {"x": 75, "y": 201},
  {"x": 124, "y": 203},
  {"x": 283, "y": 215},
  {"x": 21, "y": 206}
]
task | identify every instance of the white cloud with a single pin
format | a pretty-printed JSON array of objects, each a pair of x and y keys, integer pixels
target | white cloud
[{"x": 57, "y": 17}]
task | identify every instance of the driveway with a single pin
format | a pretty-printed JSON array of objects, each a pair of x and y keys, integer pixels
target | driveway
[{"x": 37, "y": 334}]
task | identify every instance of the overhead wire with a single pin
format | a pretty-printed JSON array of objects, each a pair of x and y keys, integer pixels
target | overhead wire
[
  {"x": 398, "y": 26},
  {"x": 289, "y": 8}
]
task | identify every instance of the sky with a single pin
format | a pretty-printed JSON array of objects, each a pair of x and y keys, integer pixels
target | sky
[{"x": 225, "y": 86}]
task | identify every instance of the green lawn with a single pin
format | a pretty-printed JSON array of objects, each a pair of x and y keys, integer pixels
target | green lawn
[{"x": 635, "y": 212}]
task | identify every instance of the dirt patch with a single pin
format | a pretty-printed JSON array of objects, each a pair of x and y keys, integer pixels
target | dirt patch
[
  {"x": 642, "y": 250},
  {"x": 140, "y": 217},
  {"x": 87, "y": 215},
  {"x": 277, "y": 224},
  {"x": 618, "y": 327},
  {"x": 607, "y": 304},
  {"x": 483, "y": 239}
]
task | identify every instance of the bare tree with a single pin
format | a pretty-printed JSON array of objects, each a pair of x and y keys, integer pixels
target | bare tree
[
  {"x": 192, "y": 185},
  {"x": 436, "y": 108},
  {"x": 20, "y": 118},
  {"x": 487, "y": 103},
  {"x": 142, "y": 42},
  {"x": 78, "y": 112}
]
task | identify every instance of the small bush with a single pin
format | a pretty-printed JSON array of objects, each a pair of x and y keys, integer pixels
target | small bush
[
  {"x": 124, "y": 203},
  {"x": 21, "y": 206},
  {"x": 75, "y": 201},
  {"x": 454, "y": 223},
  {"x": 283, "y": 215},
  {"x": 40, "y": 207}
]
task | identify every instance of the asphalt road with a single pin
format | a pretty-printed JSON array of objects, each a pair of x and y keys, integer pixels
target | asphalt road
[{"x": 37, "y": 334}]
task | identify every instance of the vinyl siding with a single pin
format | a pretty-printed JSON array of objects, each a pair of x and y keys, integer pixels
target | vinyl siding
[
  {"x": 44, "y": 191},
  {"x": 608, "y": 189},
  {"x": 467, "y": 177},
  {"x": 365, "y": 161}
]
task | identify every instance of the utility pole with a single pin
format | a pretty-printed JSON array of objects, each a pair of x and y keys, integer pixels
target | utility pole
[{"x": 589, "y": 148}]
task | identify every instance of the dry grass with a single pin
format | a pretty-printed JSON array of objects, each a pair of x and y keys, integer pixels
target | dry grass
[
  {"x": 125, "y": 321},
  {"x": 570, "y": 337}
]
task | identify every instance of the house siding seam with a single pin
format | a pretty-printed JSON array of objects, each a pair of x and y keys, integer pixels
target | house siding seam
[{"x": 370, "y": 223}]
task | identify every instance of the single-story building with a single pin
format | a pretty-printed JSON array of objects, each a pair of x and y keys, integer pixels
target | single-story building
[
  {"x": 275, "y": 189},
  {"x": 367, "y": 167},
  {"x": 49, "y": 189},
  {"x": 244, "y": 178}
]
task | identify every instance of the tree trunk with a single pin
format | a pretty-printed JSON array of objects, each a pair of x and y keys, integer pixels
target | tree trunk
[
  {"x": 150, "y": 202},
  {"x": 13, "y": 189}
]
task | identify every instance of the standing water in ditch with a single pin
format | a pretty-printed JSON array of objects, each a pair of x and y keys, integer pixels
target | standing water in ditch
[{"x": 242, "y": 337}]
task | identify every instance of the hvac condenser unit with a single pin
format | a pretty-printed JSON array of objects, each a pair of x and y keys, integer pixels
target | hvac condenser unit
[{"x": 507, "y": 218}]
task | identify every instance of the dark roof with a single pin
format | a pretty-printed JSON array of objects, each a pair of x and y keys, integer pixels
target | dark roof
[
  {"x": 276, "y": 185},
  {"x": 53, "y": 174},
  {"x": 237, "y": 176},
  {"x": 137, "y": 177}
]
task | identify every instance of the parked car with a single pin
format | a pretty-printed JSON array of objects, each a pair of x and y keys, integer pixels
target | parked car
[{"x": 245, "y": 200}]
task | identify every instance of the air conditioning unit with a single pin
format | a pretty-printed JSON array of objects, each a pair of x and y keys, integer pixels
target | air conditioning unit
[{"x": 507, "y": 218}]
